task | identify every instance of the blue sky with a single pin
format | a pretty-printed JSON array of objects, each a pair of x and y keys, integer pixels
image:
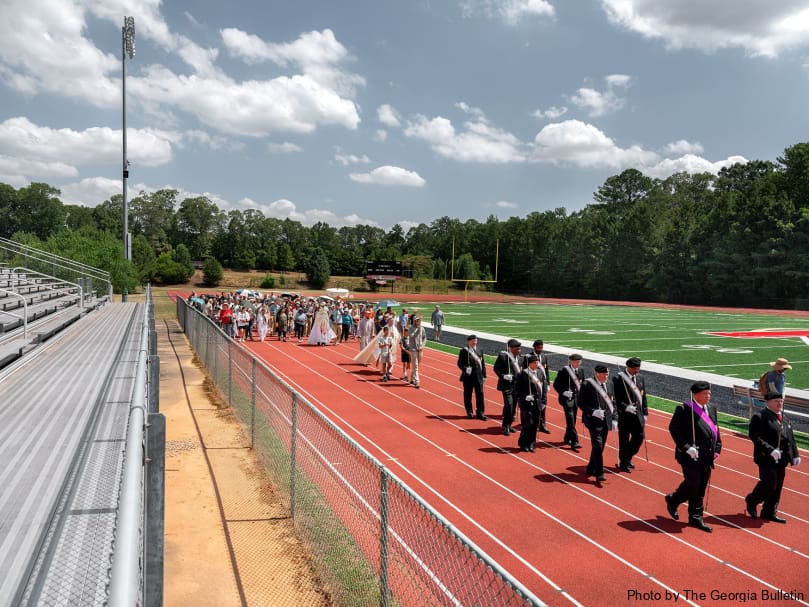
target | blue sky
[{"x": 390, "y": 111}]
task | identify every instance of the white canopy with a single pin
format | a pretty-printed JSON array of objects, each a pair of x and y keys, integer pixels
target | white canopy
[{"x": 337, "y": 292}]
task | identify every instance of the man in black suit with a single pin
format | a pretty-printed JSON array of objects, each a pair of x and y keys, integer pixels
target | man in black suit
[
  {"x": 696, "y": 445},
  {"x": 542, "y": 372},
  {"x": 507, "y": 368},
  {"x": 473, "y": 374},
  {"x": 773, "y": 448},
  {"x": 598, "y": 415},
  {"x": 528, "y": 392},
  {"x": 567, "y": 385},
  {"x": 630, "y": 400}
]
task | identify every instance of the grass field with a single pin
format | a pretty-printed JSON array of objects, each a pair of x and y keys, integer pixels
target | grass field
[{"x": 667, "y": 336}]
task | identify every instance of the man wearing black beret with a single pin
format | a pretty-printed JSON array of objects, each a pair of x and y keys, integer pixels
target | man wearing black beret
[
  {"x": 630, "y": 401},
  {"x": 567, "y": 385},
  {"x": 529, "y": 396},
  {"x": 773, "y": 448},
  {"x": 507, "y": 368},
  {"x": 597, "y": 413},
  {"x": 696, "y": 445},
  {"x": 473, "y": 374},
  {"x": 542, "y": 373}
]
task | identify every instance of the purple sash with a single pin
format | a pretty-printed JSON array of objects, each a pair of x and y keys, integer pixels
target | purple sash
[{"x": 703, "y": 414}]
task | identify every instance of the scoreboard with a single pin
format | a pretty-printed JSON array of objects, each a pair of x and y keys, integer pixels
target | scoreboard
[{"x": 383, "y": 270}]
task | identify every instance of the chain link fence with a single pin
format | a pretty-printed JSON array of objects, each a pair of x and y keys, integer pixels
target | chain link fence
[{"x": 374, "y": 541}]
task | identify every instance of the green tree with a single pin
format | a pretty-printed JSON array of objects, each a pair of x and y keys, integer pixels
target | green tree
[
  {"x": 168, "y": 271},
  {"x": 318, "y": 271},
  {"x": 183, "y": 257},
  {"x": 212, "y": 272},
  {"x": 38, "y": 210},
  {"x": 143, "y": 258},
  {"x": 152, "y": 215},
  {"x": 196, "y": 224}
]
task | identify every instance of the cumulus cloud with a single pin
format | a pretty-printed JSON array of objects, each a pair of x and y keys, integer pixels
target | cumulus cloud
[
  {"x": 690, "y": 163},
  {"x": 683, "y": 147},
  {"x": 760, "y": 27},
  {"x": 505, "y": 204},
  {"x": 346, "y": 159},
  {"x": 599, "y": 103},
  {"x": 92, "y": 191},
  {"x": 286, "y": 209},
  {"x": 284, "y": 148},
  {"x": 511, "y": 12},
  {"x": 580, "y": 144},
  {"x": 387, "y": 115},
  {"x": 380, "y": 135},
  {"x": 552, "y": 113},
  {"x": 479, "y": 142},
  {"x": 390, "y": 175}
]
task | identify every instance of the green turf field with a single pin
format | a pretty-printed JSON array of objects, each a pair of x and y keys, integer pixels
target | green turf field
[{"x": 662, "y": 335}]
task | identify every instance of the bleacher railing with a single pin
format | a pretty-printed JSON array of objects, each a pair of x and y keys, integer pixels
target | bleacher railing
[
  {"x": 374, "y": 540},
  {"x": 93, "y": 279}
]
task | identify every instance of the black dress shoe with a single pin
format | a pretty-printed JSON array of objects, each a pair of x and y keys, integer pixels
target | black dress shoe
[
  {"x": 672, "y": 508},
  {"x": 601, "y": 477},
  {"x": 544, "y": 430},
  {"x": 630, "y": 465},
  {"x": 531, "y": 449},
  {"x": 698, "y": 523},
  {"x": 625, "y": 468},
  {"x": 481, "y": 417},
  {"x": 575, "y": 445},
  {"x": 774, "y": 518},
  {"x": 751, "y": 509},
  {"x": 525, "y": 449},
  {"x": 506, "y": 431},
  {"x": 469, "y": 415}
]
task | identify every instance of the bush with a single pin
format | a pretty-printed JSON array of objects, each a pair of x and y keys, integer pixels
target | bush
[
  {"x": 268, "y": 282},
  {"x": 212, "y": 272},
  {"x": 167, "y": 271}
]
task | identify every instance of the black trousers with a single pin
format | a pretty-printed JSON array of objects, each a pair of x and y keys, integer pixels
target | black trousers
[
  {"x": 696, "y": 477},
  {"x": 509, "y": 409},
  {"x": 529, "y": 420},
  {"x": 768, "y": 489},
  {"x": 598, "y": 440},
  {"x": 477, "y": 388},
  {"x": 571, "y": 435},
  {"x": 630, "y": 437}
]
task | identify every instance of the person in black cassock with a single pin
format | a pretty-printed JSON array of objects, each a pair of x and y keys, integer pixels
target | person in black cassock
[
  {"x": 542, "y": 372},
  {"x": 567, "y": 385},
  {"x": 598, "y": 415},
  {"x": 696, "y": 445},
  {"x": 773, "y": 449},
  {"x": 473, "y": 375},
  {"x": 629, "y": 388},
  {"x": 507, "y": 367}
]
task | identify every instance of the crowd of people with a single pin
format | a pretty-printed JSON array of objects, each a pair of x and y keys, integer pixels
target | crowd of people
[{"x": 607, "y": 405}]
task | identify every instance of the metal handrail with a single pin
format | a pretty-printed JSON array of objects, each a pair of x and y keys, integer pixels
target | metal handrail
[
  {"x": 25, "y": 279},
  {"x": 24, "y": 312},
  {"x": 125, "y": 572}
]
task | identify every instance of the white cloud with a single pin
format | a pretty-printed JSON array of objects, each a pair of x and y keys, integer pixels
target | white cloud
[
  {"x": 387, "y": 115},
  {"x": 20, "y": 172},
  {"x": 683, "y": 147},
  {"x": 689, "y": 163},
  {"x": 380, "y": 135},
  {"x": 478, "y": 143},
  {"x": 346, "y": 159},
  {"x": 552, "y": 113},
  {"x": 475, "y": 112},
  {"x": 580, "y": 144},
  {"x": 760, "y": 27},
  {"x": 600, "y": 103},
  {"x": 505, "y": 204},
  {"x": 286, "y": 209},
  {"x": 390, "y": 175},
  {"x": 284, "y": 148},
  {"x": 92, "y": 191},
  {"x": 407, "y": 225},
  {"x": 511, "y": 12}
]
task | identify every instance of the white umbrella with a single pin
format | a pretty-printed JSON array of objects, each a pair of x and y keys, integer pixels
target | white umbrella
[{"x": 337, "y": 291}]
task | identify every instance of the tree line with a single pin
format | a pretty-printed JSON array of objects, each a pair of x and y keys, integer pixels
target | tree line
[{"x": 740, "y": 237}]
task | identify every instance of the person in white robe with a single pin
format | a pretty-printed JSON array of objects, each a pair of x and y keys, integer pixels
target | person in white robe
[{"x": 322, "y": 333}]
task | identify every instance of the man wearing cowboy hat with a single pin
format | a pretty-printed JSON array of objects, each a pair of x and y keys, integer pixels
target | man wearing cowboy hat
[{"x": 776, "y": 381}]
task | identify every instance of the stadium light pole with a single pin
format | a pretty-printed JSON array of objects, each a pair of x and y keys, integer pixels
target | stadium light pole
[{"x": 127, "y": 48}]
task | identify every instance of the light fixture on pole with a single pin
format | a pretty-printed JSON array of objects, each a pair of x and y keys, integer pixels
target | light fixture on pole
[{"x": 127, "y": 48}]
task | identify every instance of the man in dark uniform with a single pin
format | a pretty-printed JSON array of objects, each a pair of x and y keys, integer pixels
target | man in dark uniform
[
  {"x": 697, "y": 444},
  {"x": 507, "y": 367},
  {"x": 542, "y": 372},
  {"x": 473, "y": 374},
  {"x": 630, "y": 400},
  {"x": 567, "y": 385},
  {"x": 773, "y": 448},
  {"x": 597, "y": 413},
  {"x": 529, "y": 396}
]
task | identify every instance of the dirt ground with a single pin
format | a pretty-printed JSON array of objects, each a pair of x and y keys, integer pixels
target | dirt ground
[{"x": 228, "y": 539}]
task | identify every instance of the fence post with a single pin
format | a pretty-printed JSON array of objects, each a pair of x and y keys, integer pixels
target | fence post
[
  {"x": 230, "y": 372},
  {"x": 153, "y": 365},
  {"x": 253, "y": 407},
  {"x": 293, "y": 456},
  {"x": 155, "y": 510},
  {"x": 384, "y": 589}
]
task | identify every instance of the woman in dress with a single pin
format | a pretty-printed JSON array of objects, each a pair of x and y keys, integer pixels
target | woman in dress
[
  {"x": 322, "y": 333},
  {"x": 261, "y": 322}
]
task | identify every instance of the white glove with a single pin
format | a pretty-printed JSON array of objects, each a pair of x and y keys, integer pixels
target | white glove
[
  {"x": 529, "y": 398},
  {"x": 796, "y": 461},
  {"x": 614, "y": 425},
  {"x": 567, "y": 394},
  {"x": 776, "y": 454},
  {"x": 598, "y": 413},
  {"x": 508, "y": 377},
  {"x": 693, "y": 452},
  {"x": 632, "y": 409},
  {"x": 468, "y": 370}
]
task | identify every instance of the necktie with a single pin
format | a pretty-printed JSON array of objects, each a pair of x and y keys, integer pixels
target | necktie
[{"x": 779, "y": 418}]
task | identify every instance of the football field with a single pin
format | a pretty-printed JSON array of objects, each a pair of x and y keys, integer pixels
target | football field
[{"x": 690, "y": 339}]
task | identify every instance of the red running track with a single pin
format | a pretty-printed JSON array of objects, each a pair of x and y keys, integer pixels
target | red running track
[{"x": 569, "y": 540}]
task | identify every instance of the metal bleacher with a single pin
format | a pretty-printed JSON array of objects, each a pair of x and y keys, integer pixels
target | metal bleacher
[{"x": 81, "y": 440}]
